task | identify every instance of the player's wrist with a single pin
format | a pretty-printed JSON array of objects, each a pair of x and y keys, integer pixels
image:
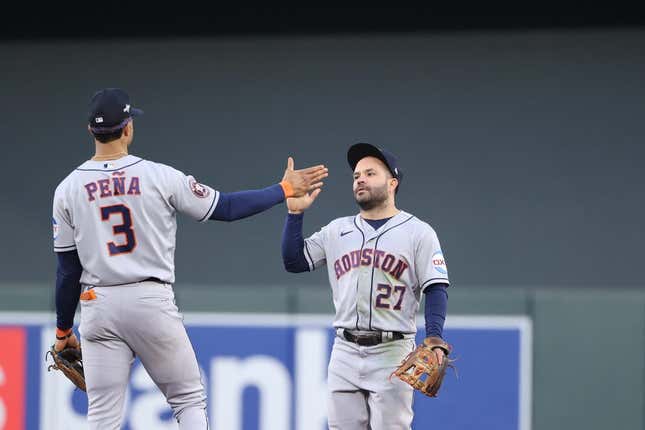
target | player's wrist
[
  {"x": 287, "y": 188},
  {"x": 62, "y": 334},
  {"x": 295, "y": 212}
]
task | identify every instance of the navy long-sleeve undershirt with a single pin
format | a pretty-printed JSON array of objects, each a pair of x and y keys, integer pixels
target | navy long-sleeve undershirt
[
  {"x": 293, "y": 258},
  {"x": 293, "y": 244},
  {"x": 435, "y": 309},
  {"x": 242, "y": 204},
  {"x": 68, "y": 288}
]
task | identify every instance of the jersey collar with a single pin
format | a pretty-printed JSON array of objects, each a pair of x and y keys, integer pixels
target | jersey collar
[
  {"x": 369, "y": 231},
  {"x": 109, "y": 165}
]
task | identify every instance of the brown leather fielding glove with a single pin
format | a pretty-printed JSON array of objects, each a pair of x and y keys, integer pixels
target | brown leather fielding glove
[
  {"x": 421, "y": 368},
  {"x": 70, "y": 362}
]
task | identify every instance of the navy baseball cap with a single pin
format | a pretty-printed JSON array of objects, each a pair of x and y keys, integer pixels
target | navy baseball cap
[
  {"x": 110, "y": 111},
  {"x": 359, "y": 151}
]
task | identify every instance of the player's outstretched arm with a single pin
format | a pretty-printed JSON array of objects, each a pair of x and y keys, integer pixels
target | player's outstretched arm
[{"x": 242, "y": 204}]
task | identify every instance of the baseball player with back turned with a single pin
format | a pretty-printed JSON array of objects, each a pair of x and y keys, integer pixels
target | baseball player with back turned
[
  {"x": 114, "y": 221},
  {"x": 378, "y": 262}
]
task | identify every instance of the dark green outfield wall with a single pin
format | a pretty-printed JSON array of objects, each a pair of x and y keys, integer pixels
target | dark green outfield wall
[{"x": 524, "y": 150}]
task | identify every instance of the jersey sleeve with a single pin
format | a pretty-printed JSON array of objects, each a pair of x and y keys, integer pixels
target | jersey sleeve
[
  {"x": 191, "y": 197},
  {"x": 315, "y": 249},
  {"x": 430, "y": 263},
  {"x": 62, "y": 225}
]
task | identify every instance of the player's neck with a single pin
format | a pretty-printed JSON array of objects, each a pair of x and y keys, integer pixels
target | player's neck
[
  {"x": 387, "y": 210},
  {"x": 110, "y": 151}
]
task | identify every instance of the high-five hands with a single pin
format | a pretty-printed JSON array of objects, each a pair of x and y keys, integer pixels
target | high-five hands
[{"x": 298, "y": 183}]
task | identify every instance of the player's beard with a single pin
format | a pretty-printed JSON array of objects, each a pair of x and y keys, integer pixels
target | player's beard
[{"x": 372, "y": 197}]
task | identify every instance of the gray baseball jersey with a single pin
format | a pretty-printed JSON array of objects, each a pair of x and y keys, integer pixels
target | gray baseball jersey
[
  {"x": 377, "y": 276},
  {"x": 120, "y": 216}
]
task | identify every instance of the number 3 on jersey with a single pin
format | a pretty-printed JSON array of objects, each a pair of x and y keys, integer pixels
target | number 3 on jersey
[{"x": 124, "y": 228}]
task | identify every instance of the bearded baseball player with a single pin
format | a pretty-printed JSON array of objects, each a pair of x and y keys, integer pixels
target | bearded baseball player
[
  {"x": 114, "y": 223},
  {"x": 379, "y": 262}
]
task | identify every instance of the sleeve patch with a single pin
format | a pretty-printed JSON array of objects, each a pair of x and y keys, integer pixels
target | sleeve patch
[
  {"x": 198, "y": 189},
  {"x": 55, "y": 228},
  {"x": 438, "y": 263}
]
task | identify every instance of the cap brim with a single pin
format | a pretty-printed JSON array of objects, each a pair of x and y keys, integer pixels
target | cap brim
[
  {"x": 359, "y": 151},
  {"x": 135, "y": 112}
]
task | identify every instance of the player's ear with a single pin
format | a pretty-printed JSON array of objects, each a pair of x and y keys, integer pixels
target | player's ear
[{"x": 127, "y": 130}]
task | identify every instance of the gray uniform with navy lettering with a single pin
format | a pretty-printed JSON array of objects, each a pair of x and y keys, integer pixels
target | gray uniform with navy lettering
[
  {"x": 377, "y": 278},
  {"x": 120, "y": 216}
]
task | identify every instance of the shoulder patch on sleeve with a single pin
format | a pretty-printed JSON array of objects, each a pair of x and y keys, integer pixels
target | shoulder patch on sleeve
[
  {"x": 439, "y": 263},
  {"x": 198, "y": 189}
]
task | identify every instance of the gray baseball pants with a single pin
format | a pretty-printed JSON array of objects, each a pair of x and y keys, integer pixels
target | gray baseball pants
[
  {"x": 138, "y": 320},
  {"x": 361, "y": 394}
]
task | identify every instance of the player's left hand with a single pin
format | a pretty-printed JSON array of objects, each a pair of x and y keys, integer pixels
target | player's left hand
[
  {"x": 68, "y": 358},
  {"x": 440, "y": 355},
  {"x": 68, "y": 342},
  {"x": 425, "y": 367}
]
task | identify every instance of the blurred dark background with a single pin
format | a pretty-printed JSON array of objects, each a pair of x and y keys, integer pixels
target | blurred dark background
[
  {"x": 173, "y": 20},
  {"x": 158, "y": 21},
  {"x": 520, "y": 134}
]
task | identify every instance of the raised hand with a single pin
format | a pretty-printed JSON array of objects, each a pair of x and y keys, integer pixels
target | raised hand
[
  {"x": 305, "y": 180},
  {"x": 297, "y": 205}
]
